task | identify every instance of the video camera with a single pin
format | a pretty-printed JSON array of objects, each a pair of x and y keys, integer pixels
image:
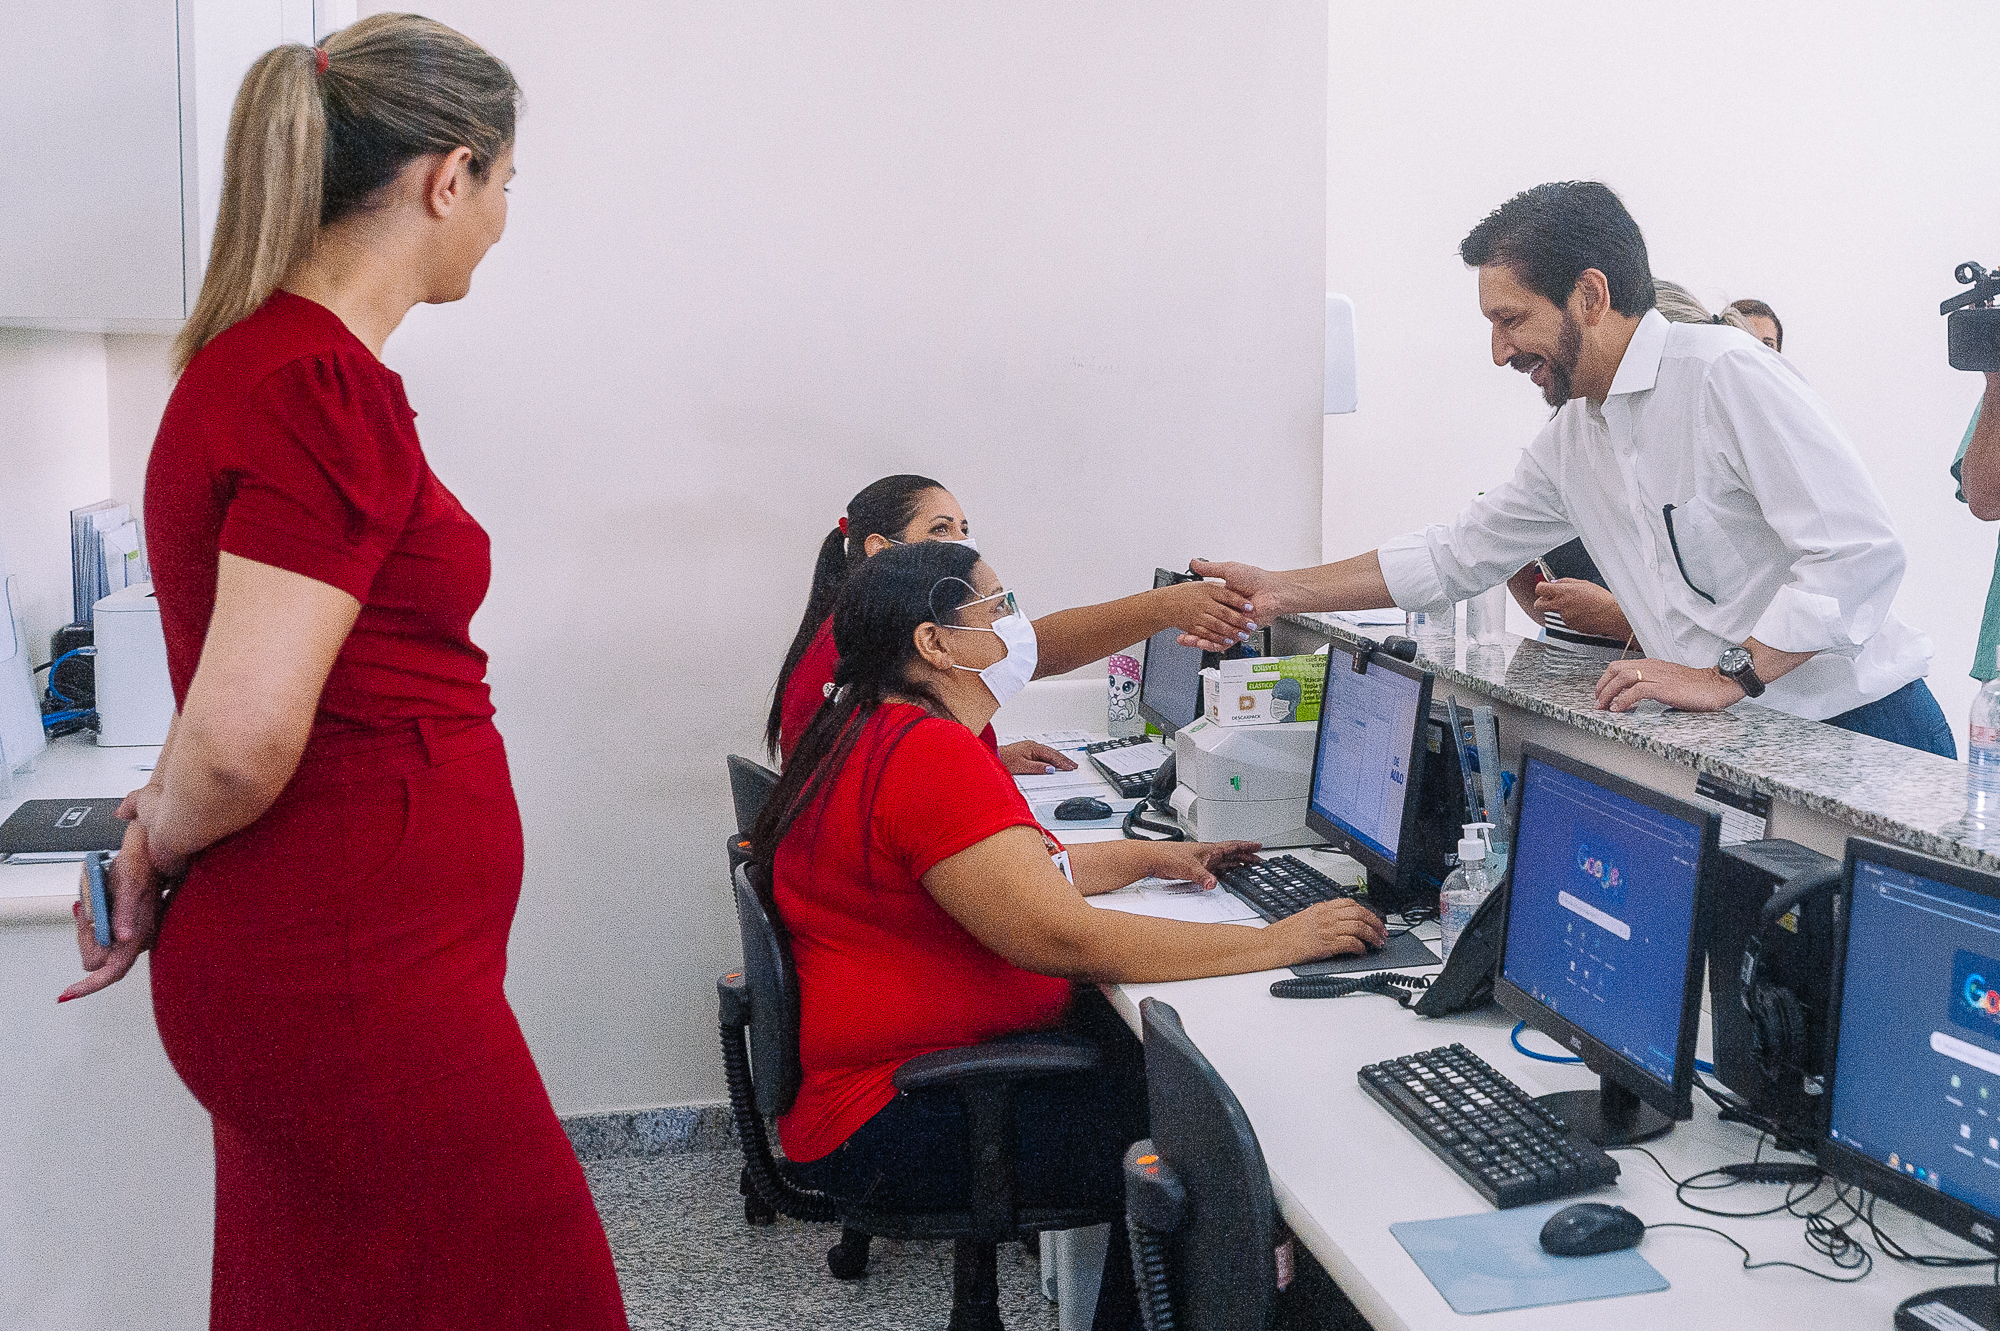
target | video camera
[{"x": 1973, "y": 331}]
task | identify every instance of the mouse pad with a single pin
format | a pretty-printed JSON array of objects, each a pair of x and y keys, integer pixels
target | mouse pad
[
  {"x": 1402, "y": 950},
  {"x": 1493, "y": 1261},
  {"x": 1045, "y": 814}
]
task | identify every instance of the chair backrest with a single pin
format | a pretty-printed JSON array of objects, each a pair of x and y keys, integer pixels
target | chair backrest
[
  {"x": 1223, "y": 1255},
  {"x": 750, "y": 784},
  {"x": 774, "y": 996}
]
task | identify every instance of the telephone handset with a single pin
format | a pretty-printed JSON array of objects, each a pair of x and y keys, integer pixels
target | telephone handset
[{"x": 1144, "y": 822}]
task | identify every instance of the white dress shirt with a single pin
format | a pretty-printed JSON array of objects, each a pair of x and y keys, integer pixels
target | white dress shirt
[{"x": 1720, "y": 500}]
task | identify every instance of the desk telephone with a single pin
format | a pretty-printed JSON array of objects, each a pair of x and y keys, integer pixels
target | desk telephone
[{"x": 1152, "y": 818}]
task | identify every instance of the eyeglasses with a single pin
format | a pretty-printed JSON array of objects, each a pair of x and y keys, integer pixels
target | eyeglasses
[{"x": 1004, "y": 604}]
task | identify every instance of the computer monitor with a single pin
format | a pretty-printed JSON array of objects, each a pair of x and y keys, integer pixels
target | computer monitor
[
  {"x": 1913, "y": 1057},
  {"x": 1603, "y": 938},
  {"x": 1368, "y": 764},
  {"x": 1170, "y": 678}
]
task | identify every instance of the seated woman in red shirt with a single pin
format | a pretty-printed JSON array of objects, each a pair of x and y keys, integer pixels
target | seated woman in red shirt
[
  {"x": 902, "y": 510},
  {"x": 928, "y": 910}
]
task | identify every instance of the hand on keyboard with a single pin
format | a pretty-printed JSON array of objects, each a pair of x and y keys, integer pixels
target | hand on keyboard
[
  {"x": 1199, "y": 861},
  {"x": 1330, "y": 929}
]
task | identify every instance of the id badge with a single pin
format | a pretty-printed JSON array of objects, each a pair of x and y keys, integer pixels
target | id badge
[{"x": 1059, "y": 854}]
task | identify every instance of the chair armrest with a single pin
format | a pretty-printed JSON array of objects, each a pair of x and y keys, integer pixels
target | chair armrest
[{"x": 1009, "y": 1059}]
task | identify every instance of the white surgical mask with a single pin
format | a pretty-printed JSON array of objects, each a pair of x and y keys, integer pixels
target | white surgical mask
[
  {"x": 1010, "y": 674},
  {"x": 971, "y": 542}
]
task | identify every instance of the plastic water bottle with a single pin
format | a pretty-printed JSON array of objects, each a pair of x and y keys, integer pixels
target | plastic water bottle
[
  {"x": 1465, "y": 887},
  {"x": 1982, "y": 766}
]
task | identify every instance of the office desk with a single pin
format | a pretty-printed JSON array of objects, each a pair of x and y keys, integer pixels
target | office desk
[{"x": 1343, "y": 1170}]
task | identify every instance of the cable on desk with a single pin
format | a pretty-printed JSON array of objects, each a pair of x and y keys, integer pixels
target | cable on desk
[
  {"x": 1852, "y": 1256},
  {"x": 1405, "y": 989},
  {"x": 1724, "y": 1178},
  {"x": 1519, "y": 1048}
]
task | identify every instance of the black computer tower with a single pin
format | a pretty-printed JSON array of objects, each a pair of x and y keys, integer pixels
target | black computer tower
[{"x": 1795, "y": 956}]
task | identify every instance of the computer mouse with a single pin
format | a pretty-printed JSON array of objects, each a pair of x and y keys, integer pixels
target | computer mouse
[
  {"x": 1591, "y": 1227},
  {"x": 1081, "y": 807}
]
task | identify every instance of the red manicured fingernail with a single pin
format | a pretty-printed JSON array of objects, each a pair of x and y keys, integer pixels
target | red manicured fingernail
[{"x": 64, "y": 998}]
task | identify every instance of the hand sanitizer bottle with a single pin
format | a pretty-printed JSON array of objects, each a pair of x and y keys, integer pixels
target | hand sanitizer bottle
[{"x": 1464, "y": 887}]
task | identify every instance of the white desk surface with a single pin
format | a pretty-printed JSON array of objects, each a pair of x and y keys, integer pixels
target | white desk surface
[
  {"x": 70, "y": 768},
  {"x": 1344, "y": 1170}
]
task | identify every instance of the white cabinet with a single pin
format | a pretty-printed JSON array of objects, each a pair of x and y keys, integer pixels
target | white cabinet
[{"x": 115, "y": 113}]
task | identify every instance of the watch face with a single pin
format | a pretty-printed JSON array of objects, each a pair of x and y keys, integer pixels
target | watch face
[{"x": 1734, "y": 661}]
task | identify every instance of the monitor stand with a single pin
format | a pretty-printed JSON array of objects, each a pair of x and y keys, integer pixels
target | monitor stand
[
  {"x": 1608, "y": 1116},
  {"x": 1964, "y": 1305}
]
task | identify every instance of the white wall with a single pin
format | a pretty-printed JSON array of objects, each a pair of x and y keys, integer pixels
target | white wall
[
  {"x": 137, "y": 383},
  {"x": 1056, "y": 254},
  {"x": 1835, "y": 161},
  {"x": 52, "y": 459}
]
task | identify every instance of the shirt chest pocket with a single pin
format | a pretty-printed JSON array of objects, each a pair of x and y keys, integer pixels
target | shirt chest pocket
[{"x": 1702, "y": 551}]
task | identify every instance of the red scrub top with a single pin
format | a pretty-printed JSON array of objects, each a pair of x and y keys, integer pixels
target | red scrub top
[
  {"x": 884, "y": 973},
  {"x": 809, "y": 686},
  {"x": 288, "y": 443}
]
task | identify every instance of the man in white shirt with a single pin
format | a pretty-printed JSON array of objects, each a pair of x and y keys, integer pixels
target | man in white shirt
[{"x": 1725, "y": 508}]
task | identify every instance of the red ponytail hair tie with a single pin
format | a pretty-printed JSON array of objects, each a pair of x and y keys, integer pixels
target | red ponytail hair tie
[
  {"x": 843, "y": 526},
  {"x": 319, "y": 60}
]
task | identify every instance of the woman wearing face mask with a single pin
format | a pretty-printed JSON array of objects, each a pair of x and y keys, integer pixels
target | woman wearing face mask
[
  {"x": 928, "y": 910},
  {"x": 902, "y": 510}
]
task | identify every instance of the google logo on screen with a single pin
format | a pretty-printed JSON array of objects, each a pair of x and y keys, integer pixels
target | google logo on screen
[{"x": 1980, "y": 997}]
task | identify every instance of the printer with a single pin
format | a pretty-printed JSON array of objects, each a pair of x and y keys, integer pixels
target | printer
[
  {"x": 1245, "y": 783},
  {"x": 135, "y": 702}
]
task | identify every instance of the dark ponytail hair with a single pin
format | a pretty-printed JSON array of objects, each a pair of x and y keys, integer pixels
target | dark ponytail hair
[
  {"x": 875, "y": 621},
  {"x": 888, "y": 506}
]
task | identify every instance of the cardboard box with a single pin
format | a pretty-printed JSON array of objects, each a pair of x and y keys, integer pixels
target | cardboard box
[{"x": 1265, "y": 690}]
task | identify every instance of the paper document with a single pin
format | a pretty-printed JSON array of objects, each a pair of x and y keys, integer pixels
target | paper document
[
  {"x": 1055, "y": 739},
  {"x": 1131, "y": 759},
  {"x": 1085, "y": 779},
  {"x": 121, "y": 557},
  {"x": 1164, "y": 899}
]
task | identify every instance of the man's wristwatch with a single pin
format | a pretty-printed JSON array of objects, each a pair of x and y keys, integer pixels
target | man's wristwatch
[{"x": 1737, "y": 667}]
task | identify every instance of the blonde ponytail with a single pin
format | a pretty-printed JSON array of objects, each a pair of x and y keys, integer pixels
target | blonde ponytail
[
  {"x": 269, "y": 218},
  {"x": 316, "y": 132}
]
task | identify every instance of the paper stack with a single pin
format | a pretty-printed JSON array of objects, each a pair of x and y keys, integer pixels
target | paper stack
[{"x": 104, "y": 554}]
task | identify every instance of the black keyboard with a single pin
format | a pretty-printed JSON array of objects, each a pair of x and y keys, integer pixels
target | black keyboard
[
  {"x": 1130, "y": 785},
  {"x": 1514, "y": 1151},
  {"x": 1276, "y": 888}
]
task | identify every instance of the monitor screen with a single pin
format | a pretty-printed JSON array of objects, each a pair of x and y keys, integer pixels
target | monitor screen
[
  {"x": 1916, "y": 1085},
  {"x": 1363, "y": 767},
  {"x": 1170, "y": 678},
  {"x": 1601, "y": 913}
]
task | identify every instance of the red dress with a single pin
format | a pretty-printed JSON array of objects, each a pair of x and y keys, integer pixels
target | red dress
[
  {"x": 807, "y": 689},
  {"x": 885, "y": 974},
  {"x": 327, "y": 981}
]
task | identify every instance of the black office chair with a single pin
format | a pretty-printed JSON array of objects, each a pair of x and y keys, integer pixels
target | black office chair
[
  {"x": 760, "y": 1036},
  {"x": 750, "y": 784},
  {"x": 1197, "y": 1195}
]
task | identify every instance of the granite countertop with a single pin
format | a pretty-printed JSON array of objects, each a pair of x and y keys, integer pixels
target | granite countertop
[{"x": 1880, "y": 789}]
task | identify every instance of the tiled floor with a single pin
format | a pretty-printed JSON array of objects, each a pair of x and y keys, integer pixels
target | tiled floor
[{"x": 688, "y": 1261}]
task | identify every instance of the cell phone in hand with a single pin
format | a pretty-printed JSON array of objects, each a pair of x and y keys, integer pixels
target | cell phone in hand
[{"x": 98, "y": 905}]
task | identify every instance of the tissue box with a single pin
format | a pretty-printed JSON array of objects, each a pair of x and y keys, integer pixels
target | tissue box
[{"x": 1264, "y": 690}]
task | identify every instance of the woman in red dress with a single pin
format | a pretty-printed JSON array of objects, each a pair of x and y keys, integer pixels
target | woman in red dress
[{"x": 333, "y": 806}]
